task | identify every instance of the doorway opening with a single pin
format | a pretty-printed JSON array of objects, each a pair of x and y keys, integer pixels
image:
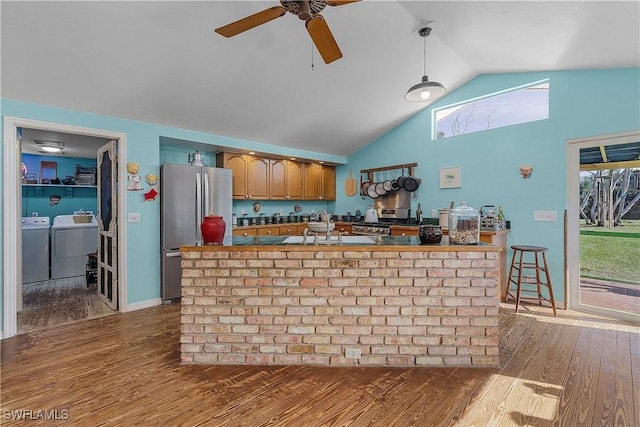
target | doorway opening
[
  {"x": 13, "y": 259},
  {"x": 603, "y": 235}
]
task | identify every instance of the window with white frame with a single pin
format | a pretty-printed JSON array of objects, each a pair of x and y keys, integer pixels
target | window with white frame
[{"x": 522, "y": 104}]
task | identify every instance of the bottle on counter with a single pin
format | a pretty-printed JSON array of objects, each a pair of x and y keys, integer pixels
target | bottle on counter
[
  {"x": 419, "y": 215},
  {"x": 234, "y": 220}
]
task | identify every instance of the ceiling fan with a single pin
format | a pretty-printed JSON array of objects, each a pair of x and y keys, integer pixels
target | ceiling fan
[{"x": 308, "y": 11}]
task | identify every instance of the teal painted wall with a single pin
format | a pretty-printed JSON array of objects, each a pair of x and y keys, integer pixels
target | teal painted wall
[
  {"x": 582, "y": 104},
  {"x": 36, "y": 200},
  {"x": 143, "y": 146}
]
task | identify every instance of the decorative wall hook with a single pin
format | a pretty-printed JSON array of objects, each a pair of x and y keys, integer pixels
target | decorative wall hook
[{"x": 526, "y": 170}]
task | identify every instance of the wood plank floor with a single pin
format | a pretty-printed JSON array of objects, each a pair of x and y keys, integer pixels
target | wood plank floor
[
  {"x": 57, "y": 302},
  {"x": 124, "y": 370}
]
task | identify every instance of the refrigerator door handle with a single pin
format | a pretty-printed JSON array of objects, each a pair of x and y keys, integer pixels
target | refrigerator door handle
[
  {"x": 198, "y": 207},
  {"x": 172, "y": 254},
  {"x": 206, "y": 195}
]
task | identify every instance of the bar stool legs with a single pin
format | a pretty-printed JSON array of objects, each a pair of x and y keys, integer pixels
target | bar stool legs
[{"x": 524, "y": 282}]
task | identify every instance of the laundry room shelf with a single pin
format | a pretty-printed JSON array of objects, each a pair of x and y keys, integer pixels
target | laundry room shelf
[{"x": 69, "y": 188}]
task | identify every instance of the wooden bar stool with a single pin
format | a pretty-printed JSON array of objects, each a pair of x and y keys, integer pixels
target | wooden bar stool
[{"x": 531, "y": 283}]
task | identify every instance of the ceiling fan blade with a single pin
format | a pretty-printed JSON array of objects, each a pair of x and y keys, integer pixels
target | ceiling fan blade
[
  {"x": 252, "y": 21},
  {"x": 340, "y": 2},
  {"x": 323, "y": 39}
]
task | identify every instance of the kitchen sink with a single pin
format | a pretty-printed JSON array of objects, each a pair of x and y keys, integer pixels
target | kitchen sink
[{"x": 359, "y": 240}]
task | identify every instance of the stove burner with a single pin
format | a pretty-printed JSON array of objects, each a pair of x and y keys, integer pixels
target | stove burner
[{"x": 371, "y": 229}]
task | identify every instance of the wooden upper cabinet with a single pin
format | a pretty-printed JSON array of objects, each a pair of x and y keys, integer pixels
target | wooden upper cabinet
[
  {"x": 312, "y": 178},
  {"x": 250, "y": 174},
  {"x": 258, "y": 178},
  {"x": 238, "y": 165},
  {"x": 295, "y": 180},
  {"x": 328, "y": 181},
  {"x": 286, "y": 180},
  {"x": 319, "y": 182},
  {"x": 263, "y": 178},
  {"x": 278, "y": 183}
]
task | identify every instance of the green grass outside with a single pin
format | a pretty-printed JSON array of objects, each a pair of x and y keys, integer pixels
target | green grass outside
[{"x": 611, "y": 255}]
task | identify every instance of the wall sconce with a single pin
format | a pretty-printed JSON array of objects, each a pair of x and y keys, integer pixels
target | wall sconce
[{"x": 526, "y": 170}]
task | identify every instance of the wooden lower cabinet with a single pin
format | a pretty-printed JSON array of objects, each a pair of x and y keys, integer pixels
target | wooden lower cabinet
[
  {"x": 268, "y": 231},
  {"x": 404, "y": 231},
  {"x": 273, "y": 230},
  {"x": 343, "y": 228},
  {"x": 244, "y": 232},
  {"x": 292, "y": 230}
]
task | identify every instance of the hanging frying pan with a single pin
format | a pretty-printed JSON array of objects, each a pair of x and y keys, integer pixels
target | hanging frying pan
[
  {"x": 401, "y": 179},
  {"x": 411, "y": 183},
  {"x": 387, "y": 184},
  {"x": 380, "y": 188},
  {"x": 371, "y": 191},
  {"x": 364, "y": 185},
  {"x": 394, "y": 182}
]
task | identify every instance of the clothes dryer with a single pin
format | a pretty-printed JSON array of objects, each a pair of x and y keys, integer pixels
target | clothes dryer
[{"x": 70, "y": 244}]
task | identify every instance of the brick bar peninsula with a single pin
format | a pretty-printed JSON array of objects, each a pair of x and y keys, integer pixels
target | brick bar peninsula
[{"x": 392, "y": 302}]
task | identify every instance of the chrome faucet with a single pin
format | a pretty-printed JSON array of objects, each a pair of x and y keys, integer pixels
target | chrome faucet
[{"x": 326, "y": 221}]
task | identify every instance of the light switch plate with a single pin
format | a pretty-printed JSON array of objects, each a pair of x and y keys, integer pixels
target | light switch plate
[
  {"x": 545, "y": 216},
  {"x": 134, "y": 217}
]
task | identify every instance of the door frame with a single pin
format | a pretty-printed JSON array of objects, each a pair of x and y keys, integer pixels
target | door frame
[
  {"x": 12, "y": 196},
  {"x": 572, "y": 289}
]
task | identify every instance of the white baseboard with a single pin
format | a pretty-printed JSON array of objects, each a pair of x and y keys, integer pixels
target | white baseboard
[{"x": 143, "y": 304}]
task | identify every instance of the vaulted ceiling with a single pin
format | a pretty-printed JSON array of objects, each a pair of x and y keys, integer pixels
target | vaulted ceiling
[{"x": 162, "y": 62}]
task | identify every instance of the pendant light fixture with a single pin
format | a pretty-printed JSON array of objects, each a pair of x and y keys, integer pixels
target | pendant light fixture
[{"x": 425, "y": 90}]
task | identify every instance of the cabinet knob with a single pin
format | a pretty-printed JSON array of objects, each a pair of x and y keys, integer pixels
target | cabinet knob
[
  {"x": 288, "y": 230},
  {"x": 245, "y": 234},
  {"x": 268, "y": 231},
  {"x": 403, "y": 234}
]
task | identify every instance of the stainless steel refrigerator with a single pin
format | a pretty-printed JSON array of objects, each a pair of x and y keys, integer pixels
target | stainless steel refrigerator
[{"x": 187, "y": 195}]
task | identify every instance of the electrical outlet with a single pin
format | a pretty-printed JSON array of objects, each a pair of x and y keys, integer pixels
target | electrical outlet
[
  {"x": 281, "y": 212},
  {"x": 34, "y": 213},
  {"x": 243, "y": 212},
  {"x": 134, "y": 217},
  {"x": 352, "y": 353},
  {"x": 434, "y": 213},
  {"x": 545, "y": 216}
]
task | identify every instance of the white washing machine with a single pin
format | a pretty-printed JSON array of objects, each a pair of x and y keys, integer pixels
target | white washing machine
[
  {"x": 35, "y": 248},
  {"x": 70, "y": 244}
]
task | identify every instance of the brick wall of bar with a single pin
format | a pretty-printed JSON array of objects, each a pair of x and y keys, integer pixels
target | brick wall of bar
[{"x": 415, "y": 308}]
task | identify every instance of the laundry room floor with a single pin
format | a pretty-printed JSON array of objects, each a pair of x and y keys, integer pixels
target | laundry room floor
[{"x": 58, "y": 302}]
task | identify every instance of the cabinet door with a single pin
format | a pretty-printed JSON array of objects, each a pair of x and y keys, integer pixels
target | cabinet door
[
  {"x": 238, "y": 165},
  {"x": 312, "y": 181},
  {"x": 295, "y": 180},
  {"x": 278, "y": 183},
  {"x": 328, "y": 183},
  {"x": 257, "y": 178}
]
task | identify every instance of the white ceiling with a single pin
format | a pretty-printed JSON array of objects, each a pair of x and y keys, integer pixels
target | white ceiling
[{"x": 161, "y": 61}]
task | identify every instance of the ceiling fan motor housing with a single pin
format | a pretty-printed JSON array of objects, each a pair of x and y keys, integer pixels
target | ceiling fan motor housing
[{"x": 304, "y": 9}]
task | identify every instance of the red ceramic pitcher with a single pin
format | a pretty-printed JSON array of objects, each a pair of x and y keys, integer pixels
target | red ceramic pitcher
[{"x": 213, "y": 228}]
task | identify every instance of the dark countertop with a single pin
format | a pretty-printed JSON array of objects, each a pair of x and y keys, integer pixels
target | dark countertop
[{"x": 381, "y": 243}]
